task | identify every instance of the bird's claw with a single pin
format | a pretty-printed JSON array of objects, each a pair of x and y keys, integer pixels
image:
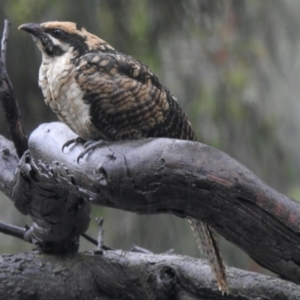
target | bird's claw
[
  {"x": 77, "y": 140},
  {"x": 90, "y": 146}
]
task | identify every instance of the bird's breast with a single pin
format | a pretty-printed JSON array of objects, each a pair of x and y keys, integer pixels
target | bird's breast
[{"x": 64, "y": 96}]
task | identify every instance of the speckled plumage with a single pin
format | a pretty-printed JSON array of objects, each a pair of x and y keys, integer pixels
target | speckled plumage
[
  {"x": 101, "y": 93},
  {"x": 127, "y": 100}
]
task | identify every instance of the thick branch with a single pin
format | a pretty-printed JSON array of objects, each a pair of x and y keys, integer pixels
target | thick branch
[
  {"x": 180, "y": 177},
  {"x": 159, "y": 176},
  {"x": 59, "y": 216},
  {"x": 124, "y": 275}
]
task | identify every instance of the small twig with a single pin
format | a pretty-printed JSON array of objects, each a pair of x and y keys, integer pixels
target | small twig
[
  {"x": 170, "y": 251},
  {"x": 4, "y": 41},
  {"x": 95, "y": 242},
  {"x": 8, "y": 100},
  {"x": 139, "y": 249},
  {"x": 12, "y": 230},
  {"x": 99, "y": 241},
  {"x": 90, "y": 239}
]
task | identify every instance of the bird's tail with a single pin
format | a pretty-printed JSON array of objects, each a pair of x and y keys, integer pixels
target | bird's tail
[{"x": 207, "y": 243}]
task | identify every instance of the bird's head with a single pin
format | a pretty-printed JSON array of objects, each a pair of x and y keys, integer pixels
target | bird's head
[{"x": 57, "y": 38}]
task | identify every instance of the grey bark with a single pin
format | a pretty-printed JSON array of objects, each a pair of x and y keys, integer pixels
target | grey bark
[
  {"x": 145, "y": 176},
  {"x": 124, "y": 275}
]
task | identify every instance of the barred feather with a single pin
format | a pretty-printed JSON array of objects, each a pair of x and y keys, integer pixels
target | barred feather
[{"x": 101, "y": 93}]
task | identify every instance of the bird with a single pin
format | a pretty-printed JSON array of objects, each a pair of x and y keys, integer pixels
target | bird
[{"x": 103, "y": 94}]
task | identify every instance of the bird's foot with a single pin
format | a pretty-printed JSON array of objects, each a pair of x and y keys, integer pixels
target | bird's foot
[
  {"x": 90, "y": 146},
  {"x": 77, "y": 140}
]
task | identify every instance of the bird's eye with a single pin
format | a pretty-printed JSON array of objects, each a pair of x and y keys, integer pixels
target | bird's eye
[{"x": 57, "y": 33}]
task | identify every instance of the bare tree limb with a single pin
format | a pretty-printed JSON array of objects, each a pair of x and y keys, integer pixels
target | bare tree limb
[
  {"x": 59, "y": 220},
  {"x": 125, "y": 275},
  {"x": 166, "y": 176},
  {"x": 9, "y": 103},
  {"x": 127, "y": 180}
]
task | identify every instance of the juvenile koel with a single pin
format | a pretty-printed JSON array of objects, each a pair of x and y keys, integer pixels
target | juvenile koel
[{"x": 102, "y": 94}]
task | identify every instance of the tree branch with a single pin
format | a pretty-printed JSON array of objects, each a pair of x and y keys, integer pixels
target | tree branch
[
  {"x": 59, "y": 217},
  {"x": 8, "y": 100},
  {"x": 125, "y": 275},
  {"x": 12, "y": 230},
  {"x": 167, "y": 176},
  {"x": 129, "y": 175},
  {"x": 4, "y": 41}
]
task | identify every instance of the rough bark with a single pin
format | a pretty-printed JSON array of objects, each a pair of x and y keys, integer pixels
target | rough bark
[
  {"x": 159, "y": 176},
  {"x": 170, "y": 176},
  {"x": 151, "y": 176},
  {"x": 124, "y": 275}
]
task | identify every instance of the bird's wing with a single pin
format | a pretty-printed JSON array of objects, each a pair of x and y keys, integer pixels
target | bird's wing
[{"x": 126, "y": 99}]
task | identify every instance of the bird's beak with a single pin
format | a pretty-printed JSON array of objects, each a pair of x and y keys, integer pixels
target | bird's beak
[
  {"x": 32, "y": 28},
  {"x": 38, "y": 35}
]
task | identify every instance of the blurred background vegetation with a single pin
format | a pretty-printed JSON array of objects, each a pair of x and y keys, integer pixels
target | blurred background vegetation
[{"x": 234, "y": 66}]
